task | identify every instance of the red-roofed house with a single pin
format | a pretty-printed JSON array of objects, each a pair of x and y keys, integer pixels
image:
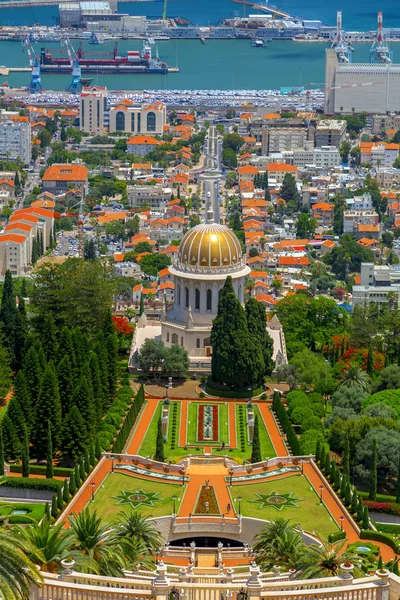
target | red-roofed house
[
  {"x": 14, "y": 253},
  {"x": 278, "y": 171},
  {"x": 141, "y": 145}
]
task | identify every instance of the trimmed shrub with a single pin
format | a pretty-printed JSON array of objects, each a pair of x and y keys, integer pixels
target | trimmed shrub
[
  {"x": 25, "y": 483},
  {"x": 335, "y": 537},
  {"x": 379, "y": 536},
  {"x": 41, "y": 470}
]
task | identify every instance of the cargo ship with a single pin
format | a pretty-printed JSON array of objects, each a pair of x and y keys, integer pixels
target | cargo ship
[{"x": 133, "y": 62}]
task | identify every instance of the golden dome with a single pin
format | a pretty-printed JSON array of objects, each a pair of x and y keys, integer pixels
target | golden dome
[{"x": 210, "y": 245}]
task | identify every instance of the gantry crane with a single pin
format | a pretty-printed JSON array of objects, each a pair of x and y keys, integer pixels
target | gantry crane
[
  {"x": 35, "y": 85},
  {"x": 380, "y": 53},
  {"x": 76, "y": 85},
  {"x": 340, "y": 45}
]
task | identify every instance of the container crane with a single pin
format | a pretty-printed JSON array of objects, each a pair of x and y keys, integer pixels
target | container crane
[
  {"x": 76, "y": 84},
  {"x": 339, "y": 44},
  {"x": 164, "y": 14},
  {"x": 35, "y": 85},
  {"x": 380, "y": 53}
]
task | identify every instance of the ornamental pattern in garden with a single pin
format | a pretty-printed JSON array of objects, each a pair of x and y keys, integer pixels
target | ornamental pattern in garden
[{"x": 207, "y": 426}]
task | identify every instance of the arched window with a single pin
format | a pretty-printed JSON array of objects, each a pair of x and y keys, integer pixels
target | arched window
[
  {"x": 151, "y": 121},
  {"x": 209, "y": 299},
  {"x": 133, "y": 122},
  {"x": 179, "y": 295},
  {"x": 186, "y": 297},
  {"x": 198, "y": 343},
  {"x": 120, "y": 121},
  {"x": 197, "y": 299},
  {"x": 174, "y": 338},
  {"x": 207, "y": 342}
]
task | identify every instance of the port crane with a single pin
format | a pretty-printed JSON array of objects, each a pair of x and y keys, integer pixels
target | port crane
[
  {"x": 35, "y": 84},
  {"x": 164, "y": 14},
  {"x": 76, "y": 85},
  {"x": 340, "y": 45},
  {"x": 380, "y": 53}
]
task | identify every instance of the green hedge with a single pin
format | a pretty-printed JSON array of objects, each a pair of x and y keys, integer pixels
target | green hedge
[
  {"x": 379, "y": 497},
  {"x": 41, "y": 470},
  {"x": 388, "y": 528},
  {"x": 129, "y": 421},
  {"x": 224, "y": 393},
  {"x": 287, "y": 427},
  {"x": 25, "y": 483},
  {"x": 335, "y": 537},
  {"x": 379, "y": 536}
]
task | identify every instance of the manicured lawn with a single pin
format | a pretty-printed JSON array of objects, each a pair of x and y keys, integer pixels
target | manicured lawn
[
  {"x": 267, "y": 448},
  {"x": 115, "y": 484},
  {"x": 193, "y": 421},
  {"x": 148, "y": 447},
  {"x": 310, "y": 514},
  {"x": 33, "y": 511}
]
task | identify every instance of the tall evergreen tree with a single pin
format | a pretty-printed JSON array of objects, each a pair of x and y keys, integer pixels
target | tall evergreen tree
[
  {"x": 82, "y": 398},
  {"x": 54, "y": 508},
  {"x": 8, "y": 312},
  {"x": 87, "y": 463},
  {"x": 77, "y": 476},
  {"x": 72, "y": 484},
  {"x": 346, "y": 457},
  {"x": 236, "y": 359},
  {"x": 48, "y": 410},
  {"x": 15, "y": 413},
  {"x": 66, "y": 491},
  {"x": 82, "y": 473},
  {"x": 370, "y": 361},
  {"x": 141, "y": 305},
  {"x": 1, "y": 452},
  {"x": 98, "y": 391},
  {"x": 33, "y": 374},
  {"x": 360, "y": 510},
  {"x": 100, "y": 350},
  {"x": 257, "y": 325},
  {"x": 21, "y": 333},
  {"x": 160, "y": 443},
  {"x": 354, "y": 502},
  {"x": 49, "y": 457},
  {"x": 365, "y": 521},
  {"x": 97, "y": 448},
  {"x": 12, "y": 446},
  {"x": 49, "y": 337},
  {"x": 289, "y": 191},
  {"x": 25, "y": 455},
  {"x": 37, "y": 344},
  {"x": 256, "y": 447},
  {"x": 398, "y": 485},
  {"x": 112, "y": 356},
  {"x": 92, "y": 456},
  {"x": 373, "y": 481},
  {"x": 65, "y": 380},
  {"x": 74, "y": 436},
  {"x": 66, "y": 347}
]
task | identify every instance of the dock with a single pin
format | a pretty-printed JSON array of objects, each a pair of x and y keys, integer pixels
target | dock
[
  {"x": 203, "y": 40},
  {"x": 173, "y": 69},
  {"x": 8, "y": 70}
]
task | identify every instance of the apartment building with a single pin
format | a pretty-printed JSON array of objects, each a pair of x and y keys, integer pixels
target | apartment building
[
  {"x": 382, "y": 123},
  {"x": 379, "y": 284},
  {"x": 15, "y": 141},
  {"x": 325, "y": 158},
  {"x": 379, "y": 154},
  {"x": 330, "y": 132},
  {"x": 141, "y": 145},
  {"x": 352, "y": 219},
  {"x": 93, "y": 110},
  {"x": 154, "y": 196},
  {"x": 387, "y": 177},
  {"x": 14, "y": 253},
  {"x": 58, "y": 178},
  {"x": 136, "y": 119},
  {"x": 277, "y": 171}
]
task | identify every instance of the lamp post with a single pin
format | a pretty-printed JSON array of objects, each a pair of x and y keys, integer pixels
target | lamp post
[
  {"x": 302, "y": 466},
  {"x": 112, "y": 463},
  {"x": 341, "y": 519},
  {"x": 239, "y": 499},
  {"x": 92, "y": 486},
  {"x": 183, "y": 475},
  {"x": 249, "y": 389},
  {"x": 321, "y": 487},
  {"x": 231, "y": 472}
]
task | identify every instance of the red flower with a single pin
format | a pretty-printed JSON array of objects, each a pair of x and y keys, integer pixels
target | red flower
[{"x": 122, "y": 326}]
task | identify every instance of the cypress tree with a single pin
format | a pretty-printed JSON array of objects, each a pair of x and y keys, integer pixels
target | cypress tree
[
  {"x": 141, "y": 305},
  {"x": 237, "y": 359},
  {"x": 343, "y": 486},
  {"x": 98, "y": 391},
  {"x": 160, "y": 443},
  {"x": 21, "y": 333},
  {"x": 327, "y": 465},
  {"x": 97, "y": 448},
  {"x": 48, "y": 410},
  {"x": 65, "y": 380},
  {"x": 54, "y": 509},
  {"x": 66, "y": 491},
  {"x": 60, "y": 502},
  {"x": 337, "y": 480},
  {"x": 87, "y": 463},
  {"x": 365, "y": 519},
  {"x": 360, "y": 510},
  {"x": 34, "y": 255},
  {"x": 373, "y": 481},
  {"x": 92, "y": 457},
  {"x": 102, "y": 356},
  {"x": 82, "y": 398},
  {"x": 318, "y": 451},
  {"x": 370, "y": 361},
  {"x": 256, "y": 323},
  {"x": 47, "y": 514},
  {"x": 8, "y": 312},
  {"x": 72, "y": 484},
  {"x": 347, "y": 497},
  {"x": 37, "y": 344},
  {"x": 256, "y": 449},
  {"x": 12, "y": 446},
  {"x": 1, "y": 453},
  {"x": 332, "y": 474},
  {"x": 16, "y": 415},
  {"x": 74, "y": 437},
  {"x": 322, "y": 457},
  {"x": 112, "y": 356},
  {"x": 380, "y": 562},
  {"x": 77, "y": 476},
  {"x": 346, "y": 457},
  {"x": 22, "y": 395},
  {"x": 66, "y": 347},
  {"x": 49, "y": 457},
  {"x": 49, "y": 337},
  {"x": 81, "y": 346},
  {"x": 25, "y": 455},
  {"x": 354, "y": 502},
  {"x": 82, "y": 473}
]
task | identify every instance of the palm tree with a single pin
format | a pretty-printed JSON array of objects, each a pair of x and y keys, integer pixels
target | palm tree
[
  {"x": 325, "y": 560},
  {"x": 278, "y": 542},
  {"x": 134, "y": 525},
  {"x": 53, "y": 542},
  {"x": 17, "y": 572},
  {"x": 354, "y": 377},
  {"x": 99, "y": 551}
]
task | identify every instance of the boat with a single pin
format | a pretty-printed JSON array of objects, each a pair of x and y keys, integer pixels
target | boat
[
  {"x": 134, "y": 61},
  {"x": 95, "y": 38},
  {"x": 257, "y": 43},
  {"x": 160, "y": 37}
]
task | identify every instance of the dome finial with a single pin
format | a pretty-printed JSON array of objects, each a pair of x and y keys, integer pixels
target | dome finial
[{"x": 210, "y": 215}]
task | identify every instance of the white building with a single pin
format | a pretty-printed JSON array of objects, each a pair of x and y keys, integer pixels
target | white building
[
  {"x": 138, "y": 118},
  {"x": 379, "y": 284},
  {"x": 148, "y": 195},
  {"x": 93, "y": 109},
  {"x": 325, "y": 158},
  {"x": 15, "y": 141}
]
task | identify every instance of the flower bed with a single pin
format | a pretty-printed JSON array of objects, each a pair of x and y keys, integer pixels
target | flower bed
[
  {"x": 207, "y": 423},
  {"x": 207, "y": 503},
  {"x": 390, "y": 508}
]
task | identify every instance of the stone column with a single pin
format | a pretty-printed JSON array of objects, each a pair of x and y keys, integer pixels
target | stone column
[
  {"x": 253, "y": 584},
  {"x": 220, "y": 546},
  {"x": 161, "y": 582},
  {"x": 383, "y": 583}
]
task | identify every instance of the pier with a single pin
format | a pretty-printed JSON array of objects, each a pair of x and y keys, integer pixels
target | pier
[{"x": 6, "y": 70}]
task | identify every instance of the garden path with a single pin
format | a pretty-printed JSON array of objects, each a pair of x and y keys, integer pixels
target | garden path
[
  {"x": 140, "y": 430},
  {"x": 275, "y": 436}
]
